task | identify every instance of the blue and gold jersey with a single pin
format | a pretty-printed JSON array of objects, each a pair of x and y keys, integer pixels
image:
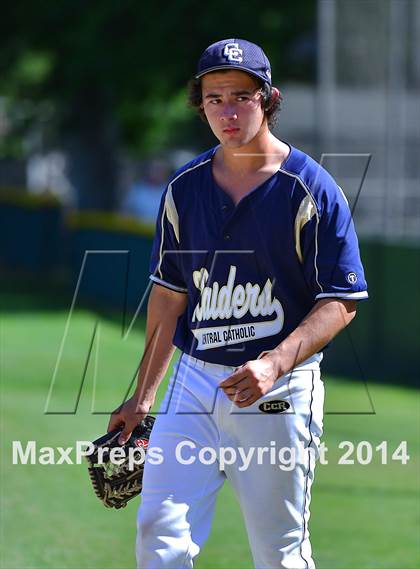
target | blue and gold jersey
[{"x": 253, "y": 271}]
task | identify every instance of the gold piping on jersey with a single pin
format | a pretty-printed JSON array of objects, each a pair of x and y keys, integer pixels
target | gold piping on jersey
[
  {"x": 309, "y": 194},
  {"x": 171, "y": 213},
  {"x": 306, "y": 211}
]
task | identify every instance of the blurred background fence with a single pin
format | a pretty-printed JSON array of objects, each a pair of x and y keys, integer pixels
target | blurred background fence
[{"x": 93, "y": 120}]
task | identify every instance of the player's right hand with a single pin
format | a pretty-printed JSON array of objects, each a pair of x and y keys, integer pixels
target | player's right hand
[{"x": 127, "y": 417}]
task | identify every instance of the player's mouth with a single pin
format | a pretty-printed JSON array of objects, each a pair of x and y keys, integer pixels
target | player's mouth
[{"x": 231, "y": 130}]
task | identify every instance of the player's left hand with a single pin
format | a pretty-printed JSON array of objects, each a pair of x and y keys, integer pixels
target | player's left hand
[{"x": 251, "y": 381}]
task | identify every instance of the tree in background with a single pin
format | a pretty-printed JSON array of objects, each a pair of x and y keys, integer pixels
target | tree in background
[{"x": 104, "y": 76}]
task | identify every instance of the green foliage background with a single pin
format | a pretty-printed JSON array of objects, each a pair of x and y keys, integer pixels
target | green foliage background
[{"x": 126, "y": 63}]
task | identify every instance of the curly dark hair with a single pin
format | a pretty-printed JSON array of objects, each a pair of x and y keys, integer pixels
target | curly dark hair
[{"x": 271, "y": 108}]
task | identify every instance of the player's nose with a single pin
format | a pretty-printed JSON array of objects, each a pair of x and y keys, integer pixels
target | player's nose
[{"x": 228, "y": 112}]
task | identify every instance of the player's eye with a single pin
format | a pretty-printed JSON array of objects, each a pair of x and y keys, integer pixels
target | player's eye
[{"x": 242, "y": 98}]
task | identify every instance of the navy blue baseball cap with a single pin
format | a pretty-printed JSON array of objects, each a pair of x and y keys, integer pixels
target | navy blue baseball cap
[{"x": 235, "y": 54}]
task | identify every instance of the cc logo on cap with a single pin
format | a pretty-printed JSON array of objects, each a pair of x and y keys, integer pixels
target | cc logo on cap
[{"x": 232, "y": 52}]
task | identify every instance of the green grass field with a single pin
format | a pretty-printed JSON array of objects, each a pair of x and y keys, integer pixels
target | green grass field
[{"x": 363, "y": 516}]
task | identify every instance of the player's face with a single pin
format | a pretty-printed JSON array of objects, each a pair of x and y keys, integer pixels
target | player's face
[{"x": 232, "y": 105}]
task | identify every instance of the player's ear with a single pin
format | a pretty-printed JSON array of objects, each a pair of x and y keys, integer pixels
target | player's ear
[{"x": 275, "y": 95}]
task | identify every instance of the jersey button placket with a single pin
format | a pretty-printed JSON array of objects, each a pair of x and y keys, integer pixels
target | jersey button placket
[{"x": 228, "y": 215}]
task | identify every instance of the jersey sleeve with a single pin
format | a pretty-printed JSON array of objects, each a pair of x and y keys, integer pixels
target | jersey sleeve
[
  {"x": 328, "y": 246},
  {"x": 166, "y": 260}
]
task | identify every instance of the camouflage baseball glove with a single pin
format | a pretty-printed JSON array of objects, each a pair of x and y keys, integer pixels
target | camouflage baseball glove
[{"x": 116, "y": 471}]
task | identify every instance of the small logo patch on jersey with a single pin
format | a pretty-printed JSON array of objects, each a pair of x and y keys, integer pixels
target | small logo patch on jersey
[
  {"x": 143, "y": 443},
  {"x": 352, "y": 278},
  {"x": 232, "y": 52},
  {"x": 274, "y": 406}
]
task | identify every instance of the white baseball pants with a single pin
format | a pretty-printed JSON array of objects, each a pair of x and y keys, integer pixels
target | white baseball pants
[{"x": 178, "y": 499}]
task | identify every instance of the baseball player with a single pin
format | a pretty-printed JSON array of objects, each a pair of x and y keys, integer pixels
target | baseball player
[{"x": 255, "y": 268}]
